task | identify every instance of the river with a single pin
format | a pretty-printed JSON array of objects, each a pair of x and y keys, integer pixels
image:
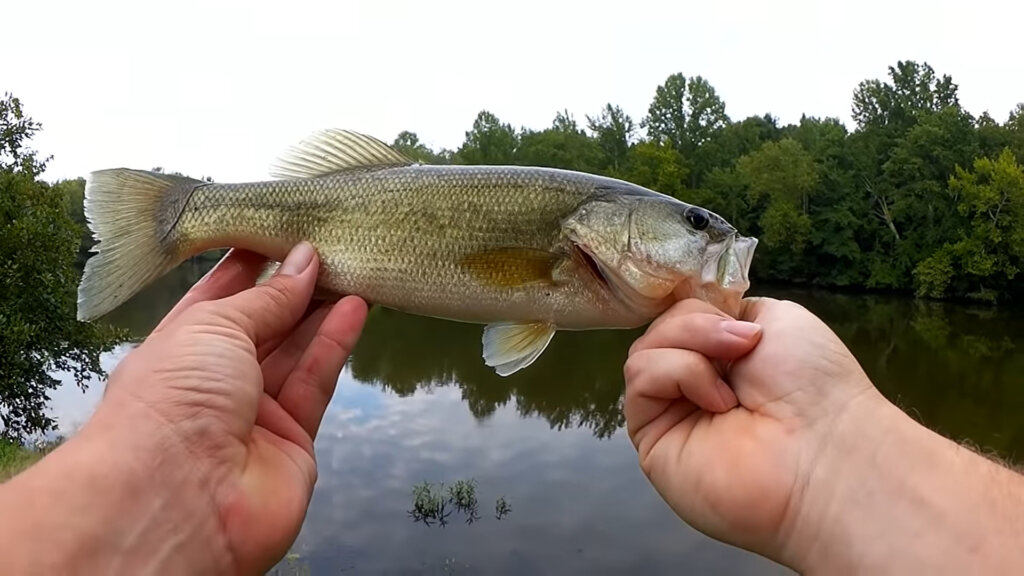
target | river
[{"x": 416, "y": 404}]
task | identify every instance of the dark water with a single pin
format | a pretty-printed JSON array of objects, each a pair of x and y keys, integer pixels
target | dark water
[{"x": 417, "y": 404}]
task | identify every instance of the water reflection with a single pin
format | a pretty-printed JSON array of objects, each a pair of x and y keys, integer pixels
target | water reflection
[
  {"x": 581, "y": 505},
  {"x": 955, "y": 368},
  {"x": 577, "y": 382}
]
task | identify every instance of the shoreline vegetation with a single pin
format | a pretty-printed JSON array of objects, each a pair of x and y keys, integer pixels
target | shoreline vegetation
[{"x": 16, "y": 457}]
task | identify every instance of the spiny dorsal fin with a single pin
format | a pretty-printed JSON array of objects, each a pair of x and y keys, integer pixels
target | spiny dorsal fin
[
  {"x": 334, "y": 150},
  {"x": 510, "y": 347}
]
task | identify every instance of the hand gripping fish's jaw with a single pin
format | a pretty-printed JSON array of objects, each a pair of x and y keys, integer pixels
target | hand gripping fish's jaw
[{"x": 726, "y": 276}]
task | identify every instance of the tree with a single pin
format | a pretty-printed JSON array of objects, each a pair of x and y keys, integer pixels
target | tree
[
  {"x": 38, "y": 281},
  {"x": 990, "y": 252},
  {"x": 658, "y": 167},
  {"x": 408, "y": 143},
  {"x": 913, "y": 90},
  {"x": 564, "y": 145},
  {"x": 615, "y": 132},
  {"x": 783, "y": 175},
  {"x": 686, "y": 114},
  {"x": 489, "y": 142}
]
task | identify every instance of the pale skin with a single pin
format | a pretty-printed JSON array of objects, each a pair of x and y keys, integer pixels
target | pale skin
[{"x": 763, "y": 433}]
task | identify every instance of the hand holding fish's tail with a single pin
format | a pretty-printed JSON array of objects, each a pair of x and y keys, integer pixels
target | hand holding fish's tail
[
  {"x": 132, "y": 214},
  {"x": 201, "y": 452}
]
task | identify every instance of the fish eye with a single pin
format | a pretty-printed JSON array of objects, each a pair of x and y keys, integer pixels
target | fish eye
[{"x": 697, "y": 217}]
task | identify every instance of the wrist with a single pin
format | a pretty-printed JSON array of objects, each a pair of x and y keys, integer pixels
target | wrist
[
  {"x": 887, "y": 495},
  {"x": 113, "y": 499}
]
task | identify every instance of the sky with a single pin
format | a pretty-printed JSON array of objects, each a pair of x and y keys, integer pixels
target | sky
[{"x": 222, "y": 88}]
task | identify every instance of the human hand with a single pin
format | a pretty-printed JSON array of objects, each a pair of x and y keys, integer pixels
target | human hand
[
  {"x": 206, "y": 429},
  {"x": 735, "y": 460}
]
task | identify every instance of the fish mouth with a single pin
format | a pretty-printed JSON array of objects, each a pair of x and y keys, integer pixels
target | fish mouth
[{"x": 728, "y": 265}]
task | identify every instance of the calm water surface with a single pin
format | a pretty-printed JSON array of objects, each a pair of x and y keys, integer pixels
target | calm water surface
[{"x": 416, "y": 403}]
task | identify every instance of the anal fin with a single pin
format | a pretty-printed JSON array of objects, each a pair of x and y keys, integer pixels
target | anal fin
[{"x": 510, "y": 347}]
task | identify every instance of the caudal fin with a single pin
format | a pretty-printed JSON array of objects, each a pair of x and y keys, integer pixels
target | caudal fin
[{"x": 131, "y": 213}]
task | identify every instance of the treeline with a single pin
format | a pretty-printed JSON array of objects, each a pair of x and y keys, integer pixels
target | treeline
[
  {"x": 38, "y": 285},
  {"x": 919, "y": 197}
]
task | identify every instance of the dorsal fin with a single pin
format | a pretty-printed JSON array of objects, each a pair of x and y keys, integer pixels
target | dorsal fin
[{"x": 334, "y": 150}]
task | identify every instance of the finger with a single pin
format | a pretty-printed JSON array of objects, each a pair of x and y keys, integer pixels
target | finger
[
  {"x": 713, "y": 335},
  {"x": 309, "y": 388},
  {"x": 656, "y": 377},
  {"x": 282, "y": 359},
  {"x": 267, "y": 311},
  {"x": 267, "y": 347},
  {"x": 236, "y": 271},
  {"x": 684, "y": 307}
]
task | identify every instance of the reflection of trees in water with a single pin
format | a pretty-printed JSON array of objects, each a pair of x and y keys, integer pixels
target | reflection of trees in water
[
  {"x": 956, "y": 368},
  {"x": 577, "y": 382}
]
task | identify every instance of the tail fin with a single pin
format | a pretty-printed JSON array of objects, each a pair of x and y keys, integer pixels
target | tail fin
[{"x": 131, "y": 213}]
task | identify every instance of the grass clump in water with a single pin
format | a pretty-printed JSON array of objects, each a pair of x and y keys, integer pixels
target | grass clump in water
[{"x": 433, "y": 504}]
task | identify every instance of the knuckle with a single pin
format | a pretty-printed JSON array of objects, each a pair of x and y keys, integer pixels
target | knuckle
[
  {"x": 335, "y": 345},
  {"x": 634, "y": 368}
]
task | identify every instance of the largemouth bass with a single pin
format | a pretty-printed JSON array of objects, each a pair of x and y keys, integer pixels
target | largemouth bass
[{"x": 525, "y": 251}]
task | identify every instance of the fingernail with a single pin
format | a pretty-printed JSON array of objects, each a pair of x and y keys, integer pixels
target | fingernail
[
  {"x": 298, "y": 259},
  {"x": 745, "y": 330}
]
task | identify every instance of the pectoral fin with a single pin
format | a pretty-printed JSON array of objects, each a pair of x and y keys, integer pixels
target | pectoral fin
[
  {"x": 512, "y": 266},
  {"x": 512, "y": 347}
]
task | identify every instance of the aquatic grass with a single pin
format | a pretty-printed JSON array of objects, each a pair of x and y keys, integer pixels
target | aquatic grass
[
  {"x": 501, "y": 508},
  {"x": 462, "y": 495},
  {"x": 433, "y": 504},
  {"x": 428, "y": 505}
]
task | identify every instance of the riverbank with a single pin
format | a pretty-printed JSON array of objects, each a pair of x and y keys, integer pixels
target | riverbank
[{"x": 14, "y": 458}]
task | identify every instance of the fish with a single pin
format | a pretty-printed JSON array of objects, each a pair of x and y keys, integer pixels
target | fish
[{"x": 525, "y": 251}]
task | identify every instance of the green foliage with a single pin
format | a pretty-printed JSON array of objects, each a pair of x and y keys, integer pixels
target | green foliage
[
  {"x": 564, "y": 145},
  {"x": 14, "y": 457},
  {"x": 989, "y": 253},
  {"x": 489, "y": 142},
  {"x": 409, "y": 144},
  {"x": 781, "y": 176},
  {"x": 657, "y": 166},
  {"x": 686, "y": 114},
  {"x": 39, "y": 244},
  {"x": 614, "y": 132}
]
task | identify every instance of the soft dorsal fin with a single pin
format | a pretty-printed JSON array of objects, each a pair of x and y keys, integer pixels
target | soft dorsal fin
[{"x": 334, "y": 150}]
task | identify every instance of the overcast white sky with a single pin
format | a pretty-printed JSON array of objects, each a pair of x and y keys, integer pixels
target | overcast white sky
[{"x": 219, "y": 88}]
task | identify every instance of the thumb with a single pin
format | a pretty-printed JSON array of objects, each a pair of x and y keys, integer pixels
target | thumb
[{"x": 268, "y": 310}]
